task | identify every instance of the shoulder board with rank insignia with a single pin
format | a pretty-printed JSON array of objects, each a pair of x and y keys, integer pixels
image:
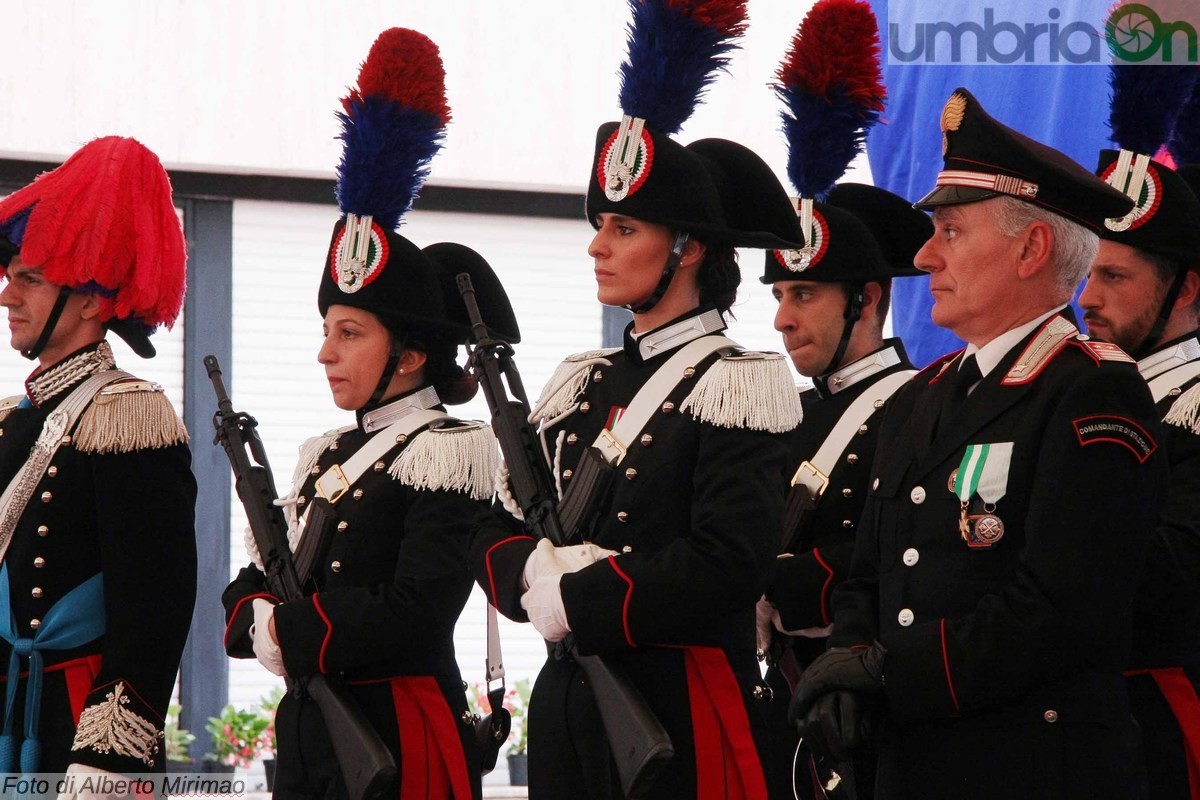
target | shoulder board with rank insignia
[
  {"x": 451, "y": 455},
  {"x": 1102, "y": 351},
  {"x": 1041, "y": 350},
  {"x": 129, "y": 415},
  {"x": 746, "y": 389},
  {"x": 8, "y": 404},
  {"x": 567, "y": 383}
]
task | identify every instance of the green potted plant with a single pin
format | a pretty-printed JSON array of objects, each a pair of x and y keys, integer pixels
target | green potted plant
[
  {"x": 269, "y": 705},
  {"x": 238, "y": 737},
  {"x": 176, "y": 741}
]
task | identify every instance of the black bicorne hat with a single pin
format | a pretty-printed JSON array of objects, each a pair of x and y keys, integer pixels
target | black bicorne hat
[
  {"x": 984, "y": 158},
  {"x": 1166, "y": 217},
  {"x": 451, "y": 260},
  {"x": 861, "y": 233}
]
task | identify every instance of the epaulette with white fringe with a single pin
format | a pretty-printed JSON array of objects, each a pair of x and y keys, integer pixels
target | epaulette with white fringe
[
  {"x": 129, "y": 415},
  {"x": 568, "y": 382},
  {"x": 310, "y": 453},
  {"x": 8, "y": 404},
  {"x": 452, "y": 455},
  {"x": 746, "y": 389},
  {"x": 1185, "y": 411}
]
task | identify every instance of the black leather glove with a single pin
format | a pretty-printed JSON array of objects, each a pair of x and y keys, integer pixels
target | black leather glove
[
  {"x": 838, "y": 723},
  {"x": 849, "y": 669}
]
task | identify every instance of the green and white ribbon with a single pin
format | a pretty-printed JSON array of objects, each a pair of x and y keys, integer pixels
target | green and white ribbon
[{"x": 984, "y": 471}]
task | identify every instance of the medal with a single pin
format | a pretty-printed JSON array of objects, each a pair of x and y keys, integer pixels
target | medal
[
  {"x": 983, "y": 472},
  {"x": 964, "y": 524},
  {"x": 986, "y": 530}
]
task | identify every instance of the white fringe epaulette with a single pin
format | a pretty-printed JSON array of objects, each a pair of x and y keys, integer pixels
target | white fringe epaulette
[
  {"x": 8, "y": 404},
  {"x": 1185, "y": 411},
  {"x": 567, "y": 383},
  {"x": 129, "y": 415},
  {"x": 746, "y": 389},
  {"x": 462, "y": 456}
]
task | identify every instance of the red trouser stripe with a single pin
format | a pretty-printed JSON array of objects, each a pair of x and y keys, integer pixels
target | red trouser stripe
[
  {"x": 1177, "y": 688},
  {"x": 432, "y": 763},
  {"x": 727, "y": 764}
]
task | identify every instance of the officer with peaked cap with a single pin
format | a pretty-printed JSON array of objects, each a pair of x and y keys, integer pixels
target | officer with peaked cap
[
  {"x": 403, "y": 486},
  {"x": 985, "y": 622},
  {"x": 831, "y": 314},
  {"x": 99, "y": 552},
  {"x": 1143, "y": 294},
  {"x": 686, "y": 432}
]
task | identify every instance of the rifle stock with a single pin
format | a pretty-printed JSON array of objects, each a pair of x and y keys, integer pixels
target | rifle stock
[
  {"x": 639, "y": 743},
  {"x": 367, "y": 766}
]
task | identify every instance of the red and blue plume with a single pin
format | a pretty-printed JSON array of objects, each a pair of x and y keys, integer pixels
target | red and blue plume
[
  {"x": 676, "y": 48},
  {"x": 831, "y": 85},
  {"x": 1185, "y": 141},
  {"x": 1146, "y": 102},
  {"x": 393, "y": 124}
]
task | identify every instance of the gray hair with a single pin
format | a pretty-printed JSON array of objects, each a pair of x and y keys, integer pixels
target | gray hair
[{"x": 1074, "y": 247}]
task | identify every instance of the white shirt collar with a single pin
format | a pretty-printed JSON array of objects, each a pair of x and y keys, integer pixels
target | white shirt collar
[{"x": 992, "y": 353}]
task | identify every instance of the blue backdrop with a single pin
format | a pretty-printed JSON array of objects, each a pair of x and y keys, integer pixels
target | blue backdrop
[{"x": 1065, "y": 106}]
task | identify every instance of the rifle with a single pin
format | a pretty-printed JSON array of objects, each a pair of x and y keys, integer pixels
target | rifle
[
  {"x": 639, "y": 743},
  {"x": 367, "y": 767}
]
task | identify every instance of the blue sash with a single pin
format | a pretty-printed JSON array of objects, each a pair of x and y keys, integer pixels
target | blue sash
[{"x": 76, "y": 619}]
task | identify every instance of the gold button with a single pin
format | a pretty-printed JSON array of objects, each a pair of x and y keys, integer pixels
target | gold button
[
  {"x": 597, "y": 376},
  {"x": 37, "y": 592},
  {"x": 647, "y": 440},
  {"x": 301, "y": 500},
  {"x": 846, "y": 523},
  {"x": 1050, "y": 716},
  {"x": 39, "y": 562},
  {"x": 47, "y": 497},
  {"x": 66, "y": 440},
  {"x": 878, "y": 404},
  {"x": 342, "y": 526},
  {"x": 572, "y": 439},
  {"x": 358, "y": 493},
  {"x": 689, "y": 372},
  {"x": 630, "y": 474},
  {"x": 1172, "y": 393},
  {"x": 53, "y": 471},
  {"x": 402, "y": 438},
  {"x": 627, "y": 549},
  {"x": 35, "y": 623},
  {"x": 333, "y": 446},
  {"x": 43, "y": 530},
  {"x": 585, "y": 407},
  {"x": 668, "y": 407},
  {"x": 336, "y": 566},
  {"x": 622, "y": 516},
  {"x": 316, "y": 470},
  {"x": 567, "y": 474},
  {"x": 852, "y": 458},
  {"x": 862, "y": 430},
  {"x": 847, "y": 492},
  {"x": 379, "y": 466}
]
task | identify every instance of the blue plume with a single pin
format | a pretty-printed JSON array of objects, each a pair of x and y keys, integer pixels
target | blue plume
[
  {"x": 826, "y": 136},
  {"x": 1146, "y": 101},
  {"x": 386, "y": 152},
  {"x": 1185, "y": 142},
  {"x": 672, "y": 58}
]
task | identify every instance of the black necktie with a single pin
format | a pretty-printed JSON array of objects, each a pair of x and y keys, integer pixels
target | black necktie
[{"x": 968, "y": 375}]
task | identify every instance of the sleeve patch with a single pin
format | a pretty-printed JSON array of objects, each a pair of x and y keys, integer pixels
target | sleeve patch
[{"x": 1119, "y": 430}]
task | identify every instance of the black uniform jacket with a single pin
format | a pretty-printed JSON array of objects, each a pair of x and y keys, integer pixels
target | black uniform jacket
[
  {"x": 694, "y": 512},
  {"x": 391, "y": 589},
  {"x": 1003, "y": 667},
  {"x": 1164, "y": 679},
  {"x": 117, "y": 500}
]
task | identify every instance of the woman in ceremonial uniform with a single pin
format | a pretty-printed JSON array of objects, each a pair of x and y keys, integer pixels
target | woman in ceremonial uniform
[
  {"x": 403, "y": 486},
  {"x": 684, "y": 531}
]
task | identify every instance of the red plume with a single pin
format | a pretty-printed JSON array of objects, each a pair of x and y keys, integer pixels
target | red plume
[
  {"x": 405, "y": 67},
  {"x": 828, "y": 54}
]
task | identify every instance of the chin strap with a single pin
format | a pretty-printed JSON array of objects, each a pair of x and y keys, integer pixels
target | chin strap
[
  {"x": 852, "y": 314},
  {"x": 389, "y": 370},
  {"x": 1164, "y": 316},
  {"x": 665, "y": 280},
  {"x": 51, "y": 323}
]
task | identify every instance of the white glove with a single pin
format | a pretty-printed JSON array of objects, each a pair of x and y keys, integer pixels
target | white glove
[
  {"x": 543, "y": 602},
  {"x": 766, "y": 617},
  {"x": 77, "y": 775},
  {"x": 265, "y": 648},
  {"x": 549, "y": 560}
]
